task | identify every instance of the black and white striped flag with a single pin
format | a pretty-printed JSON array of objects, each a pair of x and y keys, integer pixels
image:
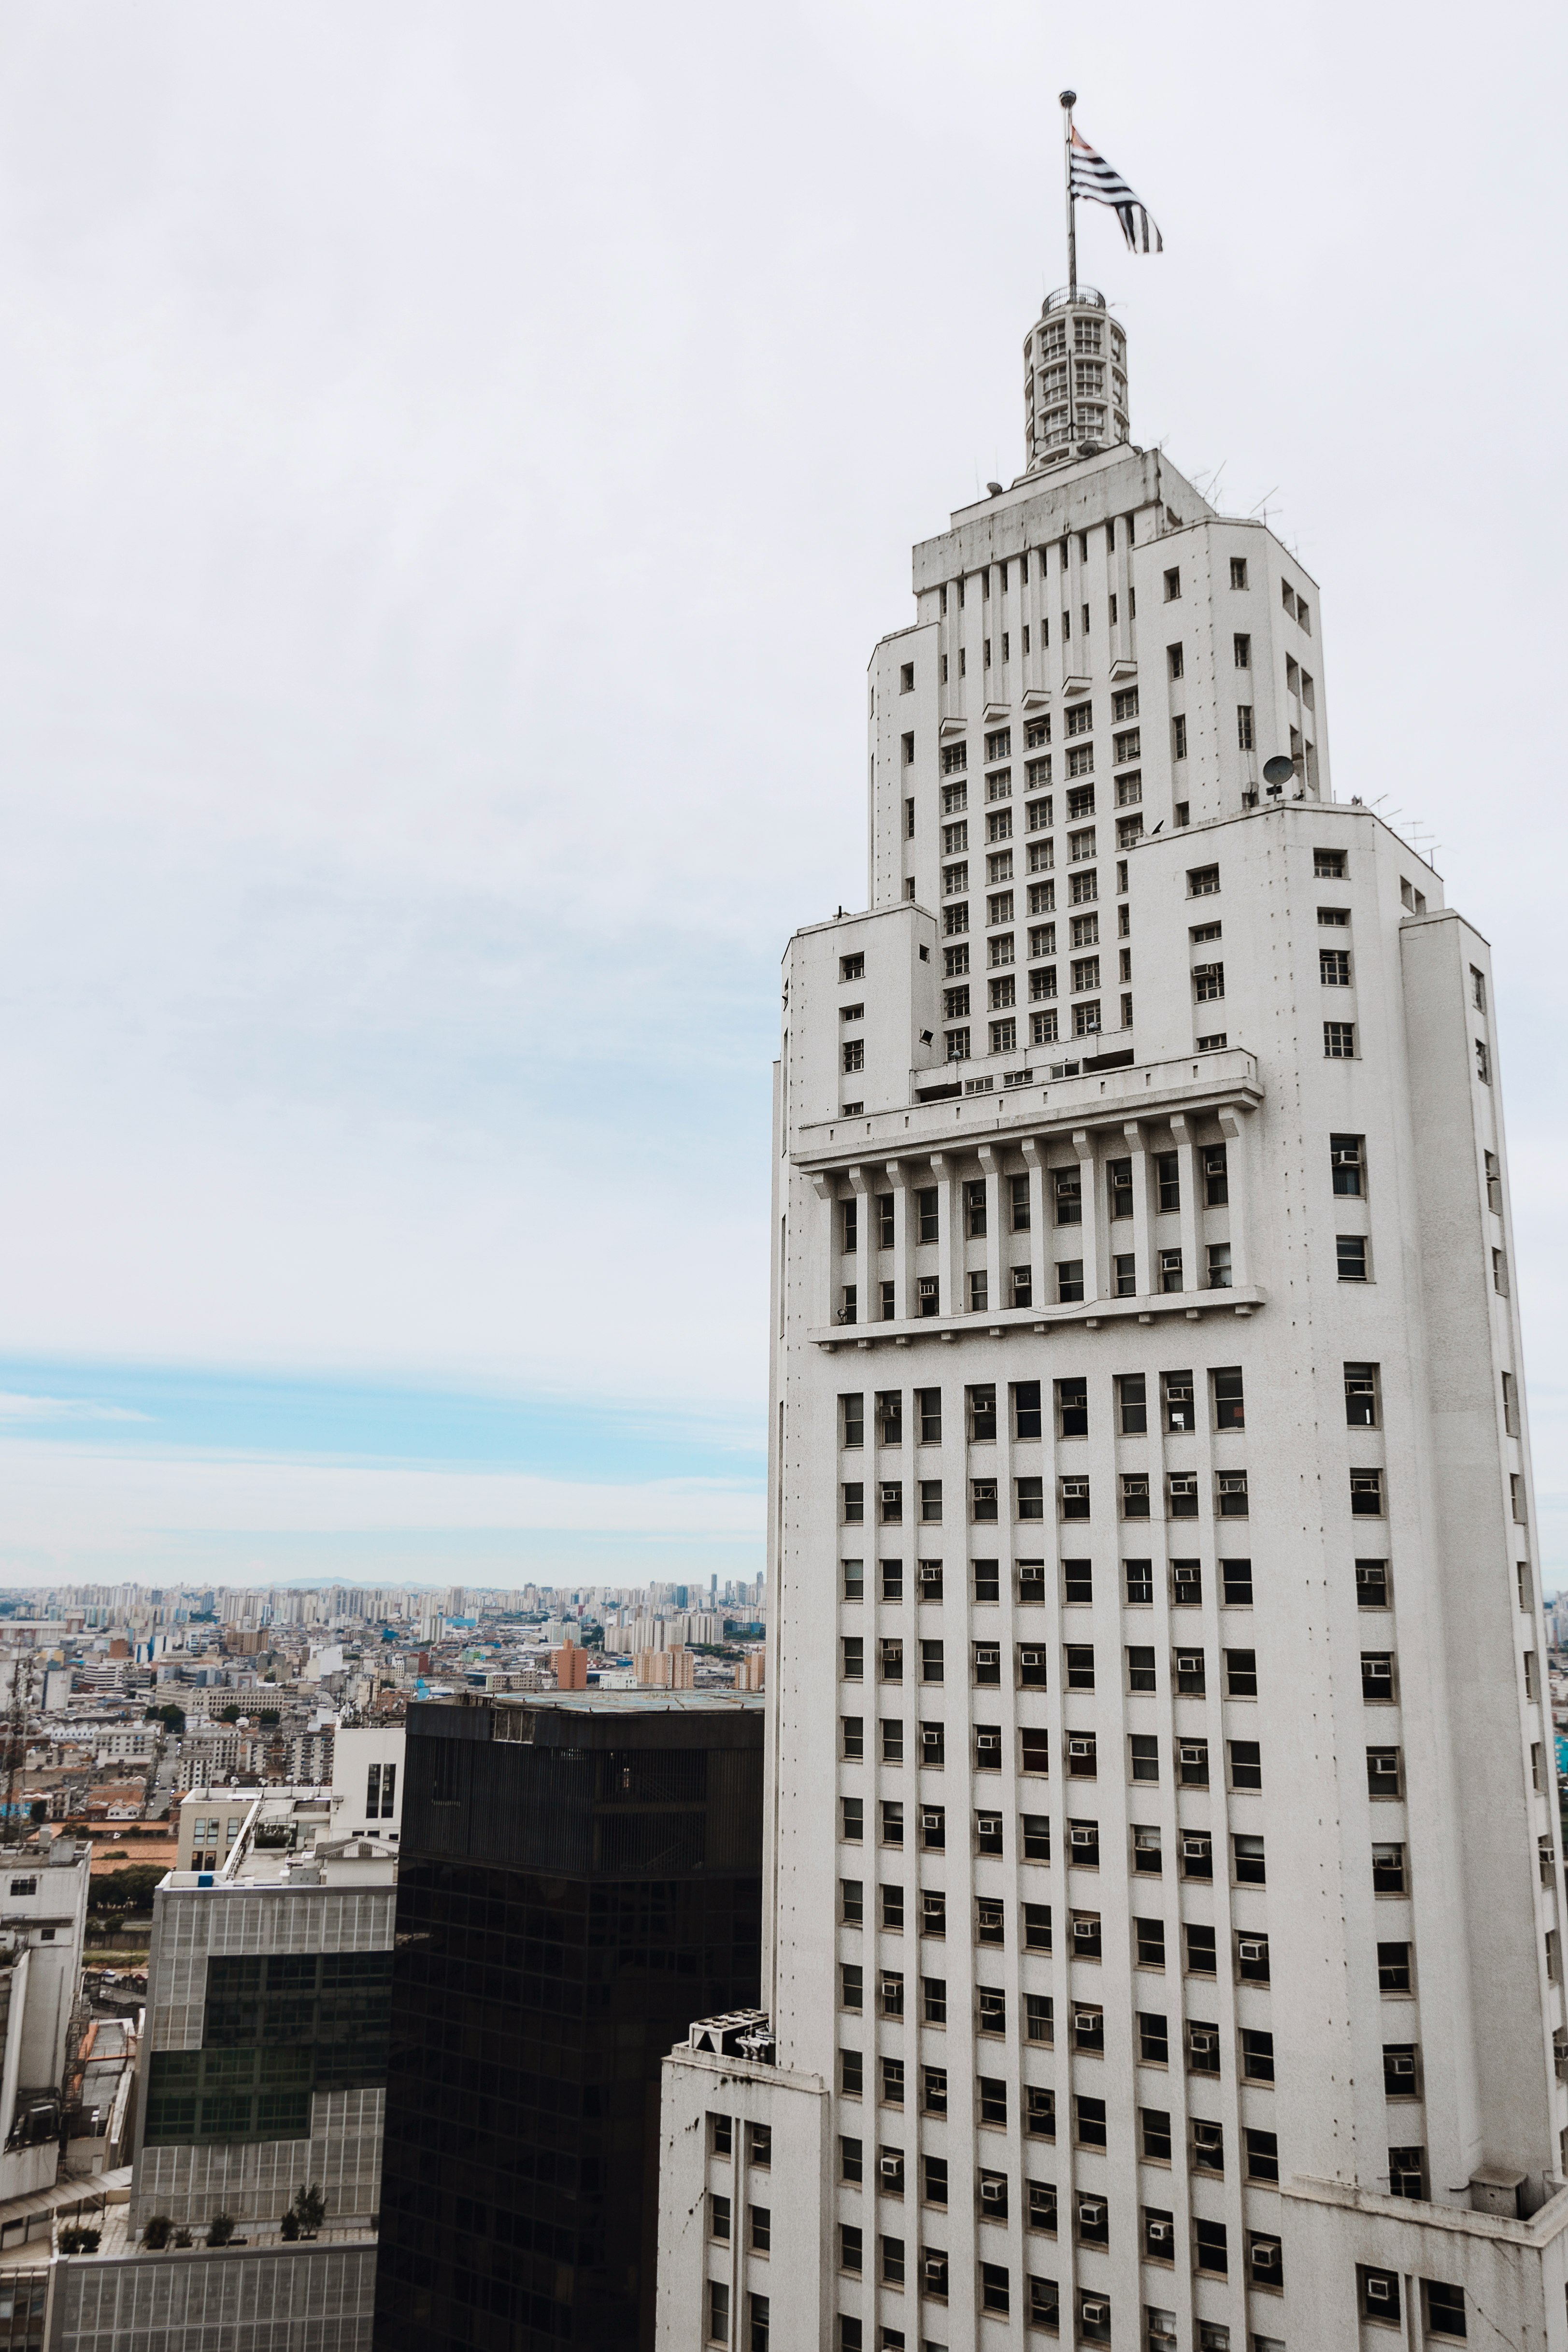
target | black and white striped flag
[{"x": 1094, "y": 178}]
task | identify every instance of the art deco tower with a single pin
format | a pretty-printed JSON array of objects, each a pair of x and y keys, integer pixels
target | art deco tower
[{"x": 1162, "y": 1894}]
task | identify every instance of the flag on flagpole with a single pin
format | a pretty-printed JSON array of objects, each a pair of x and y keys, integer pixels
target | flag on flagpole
[{"x": 1094, "y": 178}]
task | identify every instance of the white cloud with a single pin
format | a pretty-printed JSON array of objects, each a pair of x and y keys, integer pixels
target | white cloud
[
  {"x": 60, "y": 1498},
  {"x": 454, "y": 464},
  {"x": 20, "y": 1409}
]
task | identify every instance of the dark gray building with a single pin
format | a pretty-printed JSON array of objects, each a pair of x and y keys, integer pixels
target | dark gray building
[{"x": 580, "y": 1877}]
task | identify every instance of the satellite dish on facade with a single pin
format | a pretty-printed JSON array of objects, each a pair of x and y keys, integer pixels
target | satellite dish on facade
[{"x": 1278, "y": 769}]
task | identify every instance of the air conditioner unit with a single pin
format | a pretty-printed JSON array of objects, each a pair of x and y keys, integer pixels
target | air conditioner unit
[
  {"x": 1091, "y": 2213},
  {"x": 986, "y": 1742},
  {"x": 892, "y": 2166},
  {"x": 1250, "y": 1948},
  {"x": 1380, "y": 2290},
  {"x": 931, "y": 1819},
  {"x": 1264, "y": 2257},
  {"x": 1086, "y": 1837},
  {"x": 993, "y": 2192},
  {"x": 1080, "y": 1747},
  {"x": 1159, "y": 2232},
  {"x": 1086, "y": 1930},
  {"x": 1192, "y": 1751},
  {"x": 1087, "y": 2021},
  {"x": 1093, "y": 2311},
  {"x": 936, "y": 2270},
  {"x": 1198, "y": 1843}
]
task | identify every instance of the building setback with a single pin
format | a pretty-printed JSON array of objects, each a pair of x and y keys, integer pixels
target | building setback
[
  {"x": 1162, "y": 1934},
  {"x": 579, "y": 1876}
]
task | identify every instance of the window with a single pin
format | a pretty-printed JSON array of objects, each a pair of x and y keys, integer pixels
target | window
[
  {"x": 1329, "y": 864},
  {"x": 1511, "y": 1404},
  {"x": 1144, "y": 1754},
  {"x": 1172, "y": 584},
  {"x": 1400, "y": 2078},
  {"x": 1245, "y": 1764},
  {"x": 1445, "y": 2308},
  {"x": 1182, "y": 1493},
  {"x": 854, "y": 1053},
  {"x": 1494, "y": 1184},
  {"x": 1134, "y": 1495},
  {"x": 1229, "y": 1403},
  {"x": 1349, "y": 1249},
  {"x": 1265, "y": 2260},
  {"x": 1347, "y": 1159},
  {"x": 1334, "y": 966},
  {"x": 1256, "y": 2056},
  {"x": 1243, "y": 718},
  {"x": 1179, "y": 737},
  {"x": 1372, "y": 1583},
  {"x": 1378, "y": 2292},
  {"x": 717, "y": 2312},
  {"x": 1209, "y": 2248},
  {"x": 1388, "y": 1875},
  {"x": 1366, "y": 1493},
  {"x": 1339, "y": 1041},
  {"x": 1252, "y": 1958},
  {"x": 1209, "y": 982},
  {"x": 1382, "y": 1774},
  {"x": 1232, "y": 1488}
]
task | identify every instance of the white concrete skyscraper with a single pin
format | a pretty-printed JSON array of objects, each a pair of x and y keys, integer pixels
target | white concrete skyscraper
[{"x": 1162, "y": 1935}]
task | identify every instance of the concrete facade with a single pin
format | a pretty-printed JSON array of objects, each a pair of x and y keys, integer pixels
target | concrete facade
[{"x": 1163, "y": 1897}]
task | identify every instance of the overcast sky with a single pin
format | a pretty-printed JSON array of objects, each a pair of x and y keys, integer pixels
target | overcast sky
[{"x": 453, "y": 465}]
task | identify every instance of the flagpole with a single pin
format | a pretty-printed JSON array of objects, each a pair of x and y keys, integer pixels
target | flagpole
[{"x": 1069, "y": 99}]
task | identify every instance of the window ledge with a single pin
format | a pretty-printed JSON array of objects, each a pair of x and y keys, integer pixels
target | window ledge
[{"x": 1190, "y": 1305}]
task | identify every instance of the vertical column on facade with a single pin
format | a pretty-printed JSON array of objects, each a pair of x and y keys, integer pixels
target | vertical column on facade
[
  {"x": 859, "y": 1182},
  {"x": 903, "y": 1304},
  {"x": 1187, "y": 1172},
  {"x": 1093, "y": 1222},
  {"x": 1039, "y": 1233},
  {"x": 950, "y": 1230},
  {"x": 822, "y": 1184},
  {"x": 995, "y": 1203},
  {"x": 1142, "y": 1257},
  {"x": 1233, "y": 1126}
]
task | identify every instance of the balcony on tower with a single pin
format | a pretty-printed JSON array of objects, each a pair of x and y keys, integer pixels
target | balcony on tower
[{"x": 1075, "y": 380}]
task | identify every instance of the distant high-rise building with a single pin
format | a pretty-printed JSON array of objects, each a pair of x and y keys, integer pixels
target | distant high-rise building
[
  {"x": 1164, "y": 1926},
  {"x": 579, "y": 1874}
]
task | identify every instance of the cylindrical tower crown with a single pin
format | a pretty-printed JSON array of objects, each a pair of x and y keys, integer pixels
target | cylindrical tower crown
[{"x": 1075, "y": 380}]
